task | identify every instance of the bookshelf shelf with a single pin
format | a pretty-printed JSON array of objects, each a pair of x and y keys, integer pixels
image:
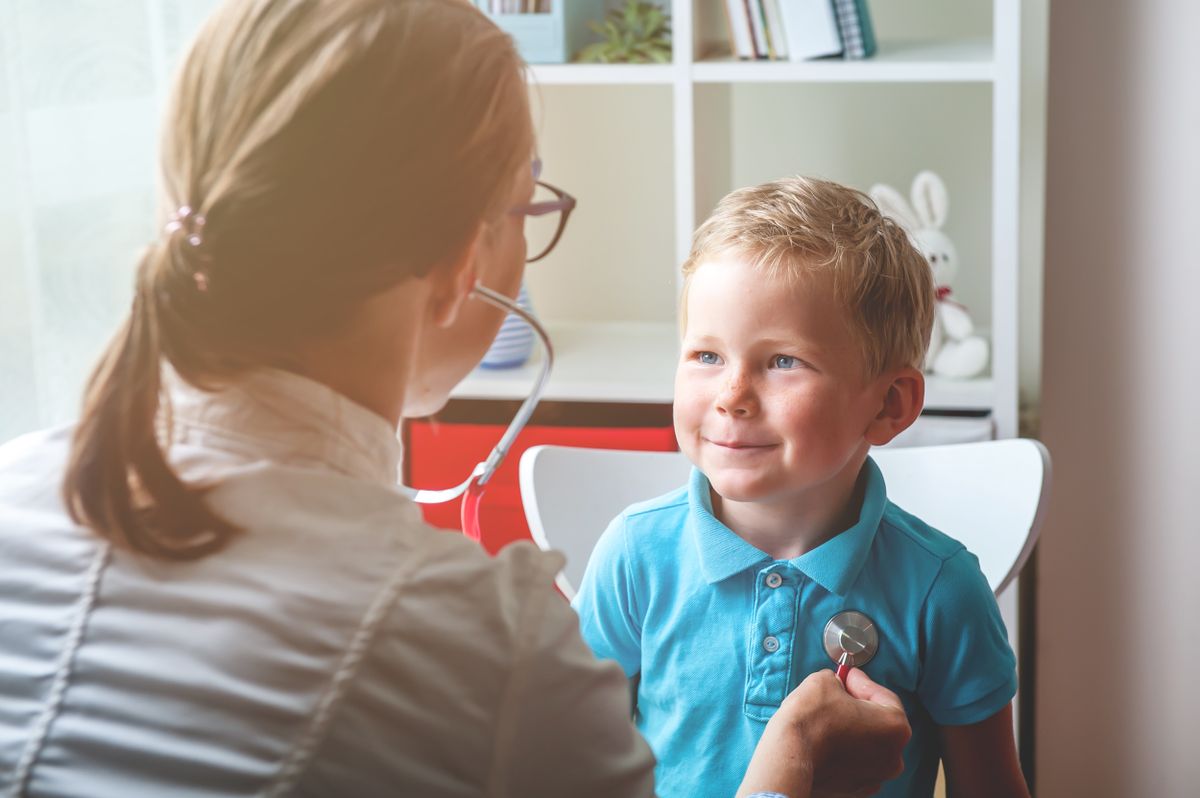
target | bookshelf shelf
[
  {"x": 594, "y": 362},
  {"x": 943, "y": 395},
  {"x": 603, "y": 74},
  {"x": 968, "y": 61}
]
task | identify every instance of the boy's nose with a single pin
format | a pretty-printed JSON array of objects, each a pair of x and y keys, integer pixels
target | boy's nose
[{"x": 736, "y": 399}]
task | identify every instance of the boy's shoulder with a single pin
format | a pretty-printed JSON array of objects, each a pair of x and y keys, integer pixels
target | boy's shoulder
[
  {"x": 651, "y": 510},
  {"x": 917, "y": 537},
  {"x": 653, "y": 523},
  {"x": 934, "y": 564},
  {"x": 663, "y": 512}
]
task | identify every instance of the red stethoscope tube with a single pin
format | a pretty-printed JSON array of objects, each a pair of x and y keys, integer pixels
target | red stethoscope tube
[{"x": 470, "y": 512}]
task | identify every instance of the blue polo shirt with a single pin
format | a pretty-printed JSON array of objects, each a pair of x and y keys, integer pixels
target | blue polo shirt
[{"x": 719, "y": 640}]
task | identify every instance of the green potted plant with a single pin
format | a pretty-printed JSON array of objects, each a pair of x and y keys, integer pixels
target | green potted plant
[{"x": 639, "y": 33}]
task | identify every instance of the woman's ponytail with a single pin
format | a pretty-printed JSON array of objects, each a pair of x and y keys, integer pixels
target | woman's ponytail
[
  {"x": 118, "y": 481},
  {"x": 314, "y": 154}
]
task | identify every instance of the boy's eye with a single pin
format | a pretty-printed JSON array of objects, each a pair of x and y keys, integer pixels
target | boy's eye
[
  {"x": 708, "y": 358},
  {"x": 785, "y": 362}
]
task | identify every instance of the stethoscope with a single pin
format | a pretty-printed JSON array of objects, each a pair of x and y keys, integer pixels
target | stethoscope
[
  {"x": 471, "y": 489},
  {"x": 851, "y": 640}
]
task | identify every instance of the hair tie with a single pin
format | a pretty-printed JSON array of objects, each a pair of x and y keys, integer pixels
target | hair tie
[{"x": 190, "y": 222}]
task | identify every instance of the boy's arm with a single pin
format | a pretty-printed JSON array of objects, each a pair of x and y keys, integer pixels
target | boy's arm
[
  {"x": 981, "y": 758},
  {"x": 968, "y": 680}
]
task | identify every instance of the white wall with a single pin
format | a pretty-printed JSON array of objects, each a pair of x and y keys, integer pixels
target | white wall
[
  {"x": 1118, "y": 709},
  {"x": 80, "y": 90},
  {"x": 610, "y": 146}
]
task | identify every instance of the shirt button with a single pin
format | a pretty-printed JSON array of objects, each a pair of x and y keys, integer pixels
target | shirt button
[
  {"x": 774, "y": 579},
  {"x": 771, "y": 644}
]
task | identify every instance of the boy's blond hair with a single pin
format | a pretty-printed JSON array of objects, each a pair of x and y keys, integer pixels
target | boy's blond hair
[{"x": 798, "y": 226}]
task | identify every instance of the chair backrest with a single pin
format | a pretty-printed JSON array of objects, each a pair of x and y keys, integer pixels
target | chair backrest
[{"x": 991, "y": 496}]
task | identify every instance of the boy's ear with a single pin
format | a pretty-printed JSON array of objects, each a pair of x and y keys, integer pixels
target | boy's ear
[
  {"x": 903, "y": 398},
  {"x": 452, "y": 281}
]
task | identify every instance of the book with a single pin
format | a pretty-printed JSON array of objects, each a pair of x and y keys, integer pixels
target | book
[
  {"x": 854, "y": 24},
  {"x": 757, "y": 29},
  {"x": 741, "y": 44},
  {"x": 775, "y": 28},
  {"x": 811, "y": 29}
]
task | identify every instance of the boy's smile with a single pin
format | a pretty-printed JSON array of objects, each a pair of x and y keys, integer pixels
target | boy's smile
[{"x": 772, "y": 400}]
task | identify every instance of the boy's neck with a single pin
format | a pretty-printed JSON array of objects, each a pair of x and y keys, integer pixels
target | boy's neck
[{"x": 789, "y": 527}]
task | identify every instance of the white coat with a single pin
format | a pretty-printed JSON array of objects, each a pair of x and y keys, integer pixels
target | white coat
[{"x": 338, "y": 647}]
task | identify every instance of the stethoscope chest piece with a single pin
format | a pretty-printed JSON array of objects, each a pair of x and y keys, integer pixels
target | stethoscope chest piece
[{"x": 853, "y": 635}]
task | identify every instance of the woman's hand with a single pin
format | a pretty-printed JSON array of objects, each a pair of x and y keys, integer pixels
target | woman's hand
[{"x": 829, "y": 741}]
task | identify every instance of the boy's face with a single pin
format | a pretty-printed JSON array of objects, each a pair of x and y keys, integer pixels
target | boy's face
[{"x": 771, "y": 398}]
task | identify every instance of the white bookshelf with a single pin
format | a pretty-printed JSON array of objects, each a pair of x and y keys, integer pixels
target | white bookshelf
[{"x": 603, "y": 353}]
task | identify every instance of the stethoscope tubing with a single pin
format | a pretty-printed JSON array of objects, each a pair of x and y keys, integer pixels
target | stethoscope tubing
[
  {"x": 471, "y": 489},
  {"x": 524, "y": 413}
]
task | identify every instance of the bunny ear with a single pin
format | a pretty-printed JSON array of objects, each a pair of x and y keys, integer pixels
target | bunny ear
[
  {"x": 930, "y": 199},
  {"x": 892, "y": 203}
]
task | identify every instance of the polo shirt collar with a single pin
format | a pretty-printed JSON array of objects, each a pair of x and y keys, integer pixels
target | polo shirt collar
[
  {"x": 722, "y": 552},
  {"x": 834, "y": 565}
]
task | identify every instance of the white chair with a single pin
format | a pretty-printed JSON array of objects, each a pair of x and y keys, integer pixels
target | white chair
[{"x": 991, "y": 496}]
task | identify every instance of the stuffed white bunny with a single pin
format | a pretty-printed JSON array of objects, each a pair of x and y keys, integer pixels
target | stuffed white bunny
[{"x": 954, "y": 350}]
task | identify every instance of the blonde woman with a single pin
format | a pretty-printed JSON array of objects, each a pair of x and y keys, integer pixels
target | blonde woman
[{"x": 210, "y": 583}]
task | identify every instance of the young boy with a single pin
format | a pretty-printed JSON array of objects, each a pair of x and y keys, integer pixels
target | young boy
[{"x": 806, "y": 316}]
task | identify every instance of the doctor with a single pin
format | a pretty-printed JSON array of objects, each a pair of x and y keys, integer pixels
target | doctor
[{"x": 210, "y": 585}]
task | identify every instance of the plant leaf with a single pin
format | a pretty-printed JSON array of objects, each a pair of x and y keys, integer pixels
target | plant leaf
[
  {"x": 639, "y": 31},
  {"x": 589, "y": 54}
]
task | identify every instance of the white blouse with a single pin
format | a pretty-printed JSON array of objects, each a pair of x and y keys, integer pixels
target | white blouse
[{"x": 338, "y": 647}]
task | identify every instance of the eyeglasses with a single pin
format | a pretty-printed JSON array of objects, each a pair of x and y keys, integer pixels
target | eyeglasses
[{"x": 545, "y": 216}]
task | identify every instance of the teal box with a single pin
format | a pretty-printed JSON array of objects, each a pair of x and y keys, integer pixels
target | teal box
[{"x": 552, "y": 38}]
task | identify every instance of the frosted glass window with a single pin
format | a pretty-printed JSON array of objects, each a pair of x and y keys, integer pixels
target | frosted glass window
[{"x": 81, "y": 90}]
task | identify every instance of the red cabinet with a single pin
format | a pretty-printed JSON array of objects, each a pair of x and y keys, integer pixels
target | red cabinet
[{"x": 441, "y": 454}]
